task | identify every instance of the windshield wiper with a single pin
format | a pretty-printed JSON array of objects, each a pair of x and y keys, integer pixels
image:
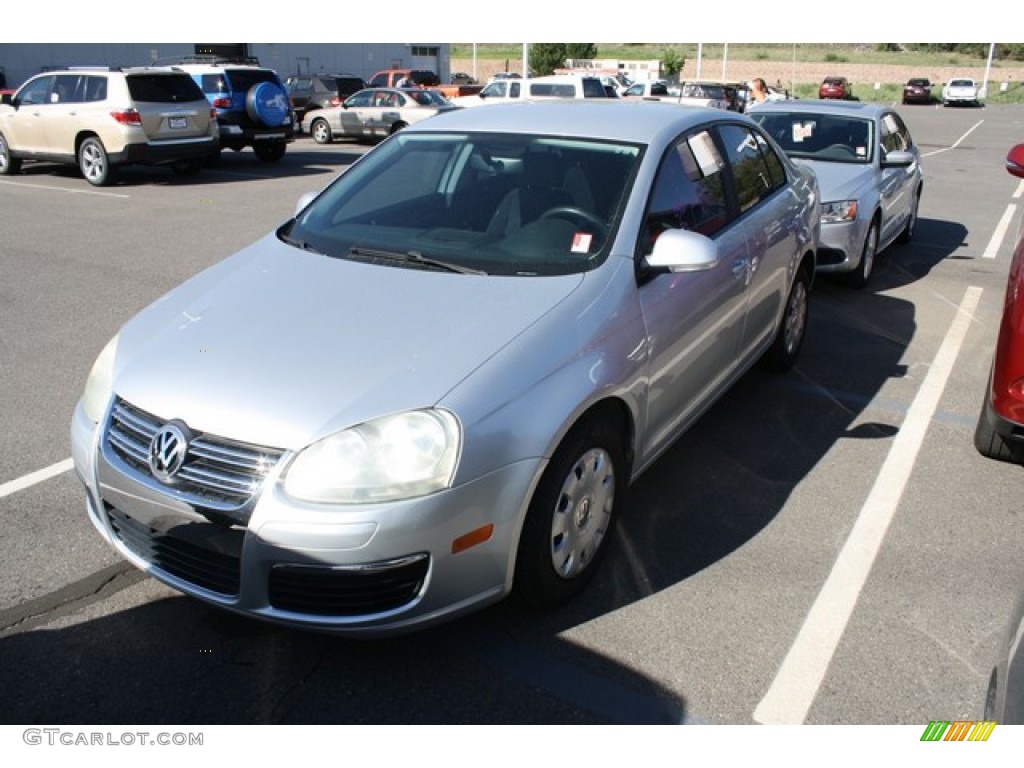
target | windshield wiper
[
  {"x": 299, "y": 244},
  {"x": 411, "y": 257}
]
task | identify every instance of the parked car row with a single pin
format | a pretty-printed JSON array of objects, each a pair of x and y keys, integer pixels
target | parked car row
[
  {"x": 918, "y": 90},
  {"x": 180, "y": 116}
]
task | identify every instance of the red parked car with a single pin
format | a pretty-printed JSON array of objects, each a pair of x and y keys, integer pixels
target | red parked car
[
  {"x": 1000, "y": 431},
  {"x": 835, "y": 88},
  {"x": 918, "y": 90}
]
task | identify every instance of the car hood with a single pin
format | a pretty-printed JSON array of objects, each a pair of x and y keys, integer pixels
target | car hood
[
  {"x": 280, "y": 347},
  {"x": 839, "y": 181}
]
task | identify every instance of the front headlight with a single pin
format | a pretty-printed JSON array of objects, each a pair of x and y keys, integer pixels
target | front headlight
[
  {"x": 98, "y": 386},
  {"x": 839, "y": 210},
  {"x": 395, "y": 457}
]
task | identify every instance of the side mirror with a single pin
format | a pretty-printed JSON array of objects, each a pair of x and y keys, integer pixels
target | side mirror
[
  {"x": 304, "y": 201},
  {"x": 680, "y": 250},
  {"x": 8, "y": 99},
  {"x": 897, "y": 159}
]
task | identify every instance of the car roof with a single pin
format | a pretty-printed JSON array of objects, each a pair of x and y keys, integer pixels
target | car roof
[
  {"x": 603, "y": 119},
  {"x": 825, "y": 107}
]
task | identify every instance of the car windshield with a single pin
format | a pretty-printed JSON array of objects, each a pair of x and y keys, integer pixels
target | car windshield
[
  {"x": 502, "y": 204},
  {"x": 830, "y": 138},
  {"x": 962, "y": 83}
]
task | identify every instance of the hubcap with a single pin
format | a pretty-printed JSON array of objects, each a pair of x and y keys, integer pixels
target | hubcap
[
  {"x": 92, "y": 161},
  {"x": 582, "y": 513}
]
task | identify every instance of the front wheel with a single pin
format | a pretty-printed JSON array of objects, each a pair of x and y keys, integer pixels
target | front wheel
[
  {"x": 860, "y": 276},
  {"x": 269, "y": 151},
  {"x": 907, "y": 234},
  {"x": 571, "y": 516},
  {"x": 94, "y": 163},
  {"x": 782, "y": 354},
  {"x": 8, "y": 164}
]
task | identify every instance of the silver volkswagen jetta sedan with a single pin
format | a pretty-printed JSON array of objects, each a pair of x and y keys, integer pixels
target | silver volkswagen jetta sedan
[
  {"x": 869, "y": 171},
  {"x": 433, "y": 385}
]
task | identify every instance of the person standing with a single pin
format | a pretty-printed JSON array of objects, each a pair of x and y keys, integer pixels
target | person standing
[{"x": 758, "y": 92}]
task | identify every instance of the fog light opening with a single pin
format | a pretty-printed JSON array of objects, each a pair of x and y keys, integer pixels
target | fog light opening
[{"x": 471, "y": 539}]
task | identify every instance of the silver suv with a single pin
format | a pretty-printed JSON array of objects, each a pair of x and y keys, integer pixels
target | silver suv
[{"x": 101, "y": 119}]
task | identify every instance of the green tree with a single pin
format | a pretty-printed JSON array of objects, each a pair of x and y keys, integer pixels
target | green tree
[
  {"x": 672, "y": 62},
  {"x": 545, "y": 58}
]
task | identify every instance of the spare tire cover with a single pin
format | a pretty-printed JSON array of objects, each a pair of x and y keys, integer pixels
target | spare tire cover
[{"x": 267, "y": 103}]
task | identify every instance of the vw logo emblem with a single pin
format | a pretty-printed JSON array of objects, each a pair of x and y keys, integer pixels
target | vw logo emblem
[{"x": 167, "y": 452}]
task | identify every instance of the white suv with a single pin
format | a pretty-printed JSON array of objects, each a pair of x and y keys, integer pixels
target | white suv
[{"x": 100, "y": 119}]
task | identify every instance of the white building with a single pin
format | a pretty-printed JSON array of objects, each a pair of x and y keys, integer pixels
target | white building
[{"x": 19, "y": 61}]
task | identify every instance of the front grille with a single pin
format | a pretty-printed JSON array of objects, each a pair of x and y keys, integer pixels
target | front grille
[
  {"x": 348, "y": 591},
  {"x": 203, "y": 554},
  {"x": 218, "y": 474}
]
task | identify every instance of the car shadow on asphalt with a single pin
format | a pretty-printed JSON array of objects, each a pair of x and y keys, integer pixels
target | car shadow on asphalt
[
  {"x": 230, "y": 167},
  {"x": 173, "y": 660}
]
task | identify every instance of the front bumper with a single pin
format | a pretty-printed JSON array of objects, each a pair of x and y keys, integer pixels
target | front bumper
[
  {"x": 841, "y": 246},
  {"x": 362, "y": 571}
]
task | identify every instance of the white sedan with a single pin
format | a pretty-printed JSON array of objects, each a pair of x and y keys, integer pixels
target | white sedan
[
  {"x": 961, "y": 90},
  {"x": 375, "y": 113}
]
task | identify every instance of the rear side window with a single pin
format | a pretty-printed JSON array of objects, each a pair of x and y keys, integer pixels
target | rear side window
[
  {"x": 754, "y": 179},
  {"x": 163, "y": 89},
  {"x": 553, "y": 89},
  {"x": 593, "y": 88},
  {"x": 95, "y": 88}
]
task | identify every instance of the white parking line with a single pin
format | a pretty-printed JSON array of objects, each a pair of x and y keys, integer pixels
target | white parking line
[
  {"x": 792, "y": 692},
  {"x": 956, "y": 143},
  {"x": 64, "y": 189},
  {"x": 1018, "y": 191},
  {"x": 33, "y": 478},
  {"x": 992, "y": 249}
]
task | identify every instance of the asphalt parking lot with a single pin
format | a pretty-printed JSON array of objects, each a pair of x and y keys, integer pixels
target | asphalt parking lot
[{"x": 825, "y": 547}]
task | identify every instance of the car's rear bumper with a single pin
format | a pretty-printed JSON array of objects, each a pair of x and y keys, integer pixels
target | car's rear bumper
[{"x": 155, "y": 153}]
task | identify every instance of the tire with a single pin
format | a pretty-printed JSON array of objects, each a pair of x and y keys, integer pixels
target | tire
[
  {"x": 908, "y": 230},
  {"x": 269, "y": 151},
  {"x": 860, "y": 276},
  {"x": 8, "y": 165},
  {"x": 571, "y": 516},
  {"x": 188, "y": 167},
  {"x": 320, "y": 130},
  {"x": 94, "y": 163},
  {"x": 789, "y": 338},
  {"x": 267, "y": 104},
  {"x": 988, "y": 442}
]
